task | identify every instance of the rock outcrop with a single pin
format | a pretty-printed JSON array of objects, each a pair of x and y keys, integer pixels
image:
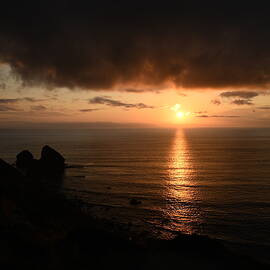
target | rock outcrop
[
  {"x": 51, "y": 162},
  {"x": 31, "y": 182},
  {"x": 24, "y": 161},
  {"x": 51, "y": 159}
]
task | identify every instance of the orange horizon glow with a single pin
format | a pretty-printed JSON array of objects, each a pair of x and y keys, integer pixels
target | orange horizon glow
[{"x": 164, "y": 108}]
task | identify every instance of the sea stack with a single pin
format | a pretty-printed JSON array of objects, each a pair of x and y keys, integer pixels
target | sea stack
[
  {"x": 24, "y": 161},
  {"x": 51, "y": 160}
]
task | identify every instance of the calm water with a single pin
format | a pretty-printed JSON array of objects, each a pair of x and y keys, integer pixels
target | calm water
[{"x": 208, "y": 181}]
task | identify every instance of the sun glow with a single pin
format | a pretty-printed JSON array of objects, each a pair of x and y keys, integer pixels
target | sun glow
[
  {"x": 179, "y": 114},
  {"x": 182, "y": 114}
]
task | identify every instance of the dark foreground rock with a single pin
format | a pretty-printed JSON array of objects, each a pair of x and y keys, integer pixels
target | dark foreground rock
[
  {"x": 50, "y": 232},
  {"x": 8, "y": 173},
  {"x": 134, "y": 202},
  {"x": 11, "y": 183},
  {"x": 89, "y": 246}
]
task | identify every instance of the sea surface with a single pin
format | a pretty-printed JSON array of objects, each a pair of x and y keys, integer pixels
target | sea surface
[{"x": 213, "y": 182}]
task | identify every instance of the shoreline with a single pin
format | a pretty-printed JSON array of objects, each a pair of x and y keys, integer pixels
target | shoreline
[
  {"x": 256, "y": 251},
  {"x": 72, "y": 238}
]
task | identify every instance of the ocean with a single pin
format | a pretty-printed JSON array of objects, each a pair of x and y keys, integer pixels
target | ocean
[{"x": 213, "y": 182}]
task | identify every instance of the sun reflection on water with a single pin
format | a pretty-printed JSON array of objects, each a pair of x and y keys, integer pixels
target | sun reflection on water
[
  {"x": 180, "y": 167},
  {"x": 181, "y": 190}
]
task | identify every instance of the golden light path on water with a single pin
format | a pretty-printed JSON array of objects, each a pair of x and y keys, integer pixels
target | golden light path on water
[{"x": 181, "y": 191}]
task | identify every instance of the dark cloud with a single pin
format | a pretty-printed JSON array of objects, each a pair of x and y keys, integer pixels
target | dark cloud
[
  {"x": 89, "y": 110},
  {"x": 38, "y": 108},
  {"x": 102, "y": 44},
  {"x": 242, "y": 102},
  {"x": 218, "y": 116},
  {"x": 116, "y": 103},
  {"x": 240, "y": 94},
  {"x": 216, "y": 101}
]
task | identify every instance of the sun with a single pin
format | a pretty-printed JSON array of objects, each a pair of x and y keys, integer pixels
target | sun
[{"x": 180, "y": 114}]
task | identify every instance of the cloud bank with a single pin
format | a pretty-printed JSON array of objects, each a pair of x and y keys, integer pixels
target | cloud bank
[{"x": 102, "y": 44}]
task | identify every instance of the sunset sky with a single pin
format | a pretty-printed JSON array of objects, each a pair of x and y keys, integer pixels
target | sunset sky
[{"x": 155, "y": 64}]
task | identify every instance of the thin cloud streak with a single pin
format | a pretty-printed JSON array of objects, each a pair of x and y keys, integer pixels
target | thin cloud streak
[
  {"x": 243, "y": 97},
  {"x": 218, "y": 116},
  {"x": 89, "y": 110},
  {"x": 216, "y": 101},
  {"x": 263, "y": 108},
  {"x": 240, "y": 94},
  {"x": 200, "y": 112},
  {"x": 4, "y": 108},
  {"x": 16, "y": 100},
  {"x": 242, "y": 102},
  {"x": 9, "y": 100},
  {"x": 39, "y": 108},
  {"x": 116, "y": 103}
]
